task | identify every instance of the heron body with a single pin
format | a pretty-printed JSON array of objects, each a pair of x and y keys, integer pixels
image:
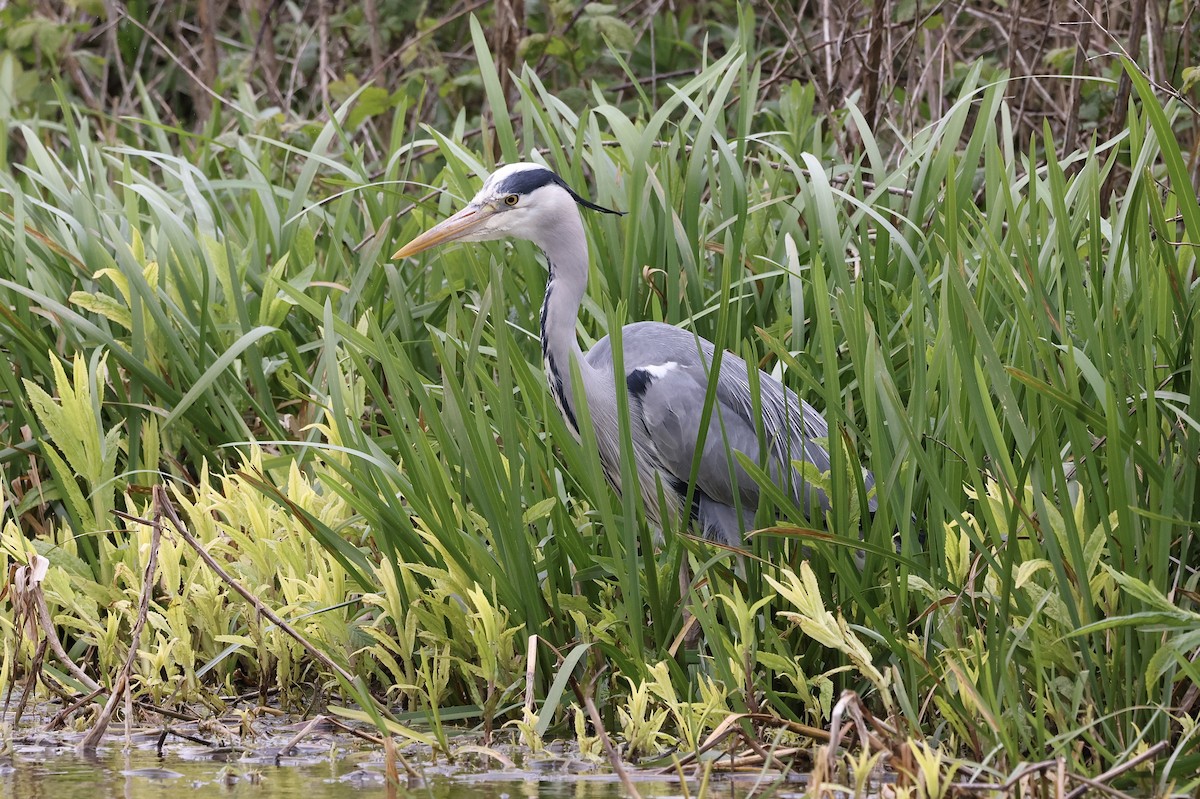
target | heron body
[{"x": 667, "y": 371}]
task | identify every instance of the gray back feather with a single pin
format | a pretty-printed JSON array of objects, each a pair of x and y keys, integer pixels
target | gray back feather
[{"x": 668, "y": 370}]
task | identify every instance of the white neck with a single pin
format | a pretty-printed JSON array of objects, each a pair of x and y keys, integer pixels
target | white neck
[{"x": 565, "y": 247}]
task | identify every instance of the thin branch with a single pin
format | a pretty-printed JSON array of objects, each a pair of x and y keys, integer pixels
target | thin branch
[
  {"x": 120, "y": 690},
  {"x": 259, "y": 607}
]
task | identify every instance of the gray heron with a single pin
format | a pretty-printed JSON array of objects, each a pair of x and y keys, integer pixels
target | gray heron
[{"x": 667, "y": 372}]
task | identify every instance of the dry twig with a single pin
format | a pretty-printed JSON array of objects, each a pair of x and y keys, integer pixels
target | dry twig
[
  {"x": 120, "y": 691},
  {"x": 259, "y": 607}
]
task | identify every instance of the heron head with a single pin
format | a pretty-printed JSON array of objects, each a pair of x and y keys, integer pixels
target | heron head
[{"x": 522, "y": 201}]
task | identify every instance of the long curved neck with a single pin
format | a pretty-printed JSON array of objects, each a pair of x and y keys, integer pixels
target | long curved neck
[{"x": 566, "y": 252}]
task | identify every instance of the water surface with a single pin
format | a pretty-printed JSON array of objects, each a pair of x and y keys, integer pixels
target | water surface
[{"x": 324, "y": 766}]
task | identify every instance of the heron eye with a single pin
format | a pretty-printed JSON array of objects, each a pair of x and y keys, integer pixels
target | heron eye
[{"x": 511, "y": 200}]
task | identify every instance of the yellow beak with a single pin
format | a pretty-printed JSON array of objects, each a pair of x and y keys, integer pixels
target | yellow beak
[{"x": 447, "y": 230}]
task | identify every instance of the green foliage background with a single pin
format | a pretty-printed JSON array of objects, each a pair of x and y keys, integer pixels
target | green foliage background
[{"x": 998, "y": 322}]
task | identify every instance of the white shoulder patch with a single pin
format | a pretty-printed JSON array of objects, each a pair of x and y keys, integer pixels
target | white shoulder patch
[{"x": 660, "y": 370}]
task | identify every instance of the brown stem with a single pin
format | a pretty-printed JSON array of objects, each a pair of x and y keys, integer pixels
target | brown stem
[
  {"x": 207, "y": 13},
  {"x": 589, "y": 705},
  {"x": 121, "y": 687}
]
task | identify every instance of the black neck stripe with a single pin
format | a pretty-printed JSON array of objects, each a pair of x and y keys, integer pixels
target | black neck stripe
[{"x": 528, "y": 180}]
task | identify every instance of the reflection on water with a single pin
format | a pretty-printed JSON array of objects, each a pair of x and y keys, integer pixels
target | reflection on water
[{"x": 49, "y": 768}]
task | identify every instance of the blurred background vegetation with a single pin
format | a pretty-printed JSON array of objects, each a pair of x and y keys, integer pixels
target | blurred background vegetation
[
  {"x": 903, "y": 61},
  {"x": 964, "y": 229}
]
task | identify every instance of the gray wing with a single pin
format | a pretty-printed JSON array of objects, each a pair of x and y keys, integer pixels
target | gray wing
[
  {"x": 672, "y": 408},
  {"x": 667, "y": 377}
]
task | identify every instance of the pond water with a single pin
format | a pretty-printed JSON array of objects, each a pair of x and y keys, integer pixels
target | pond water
[{"x": 322, "y": 766}]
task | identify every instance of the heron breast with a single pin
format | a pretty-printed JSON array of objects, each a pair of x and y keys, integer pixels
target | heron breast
[{"x": 555, "y": 381}]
